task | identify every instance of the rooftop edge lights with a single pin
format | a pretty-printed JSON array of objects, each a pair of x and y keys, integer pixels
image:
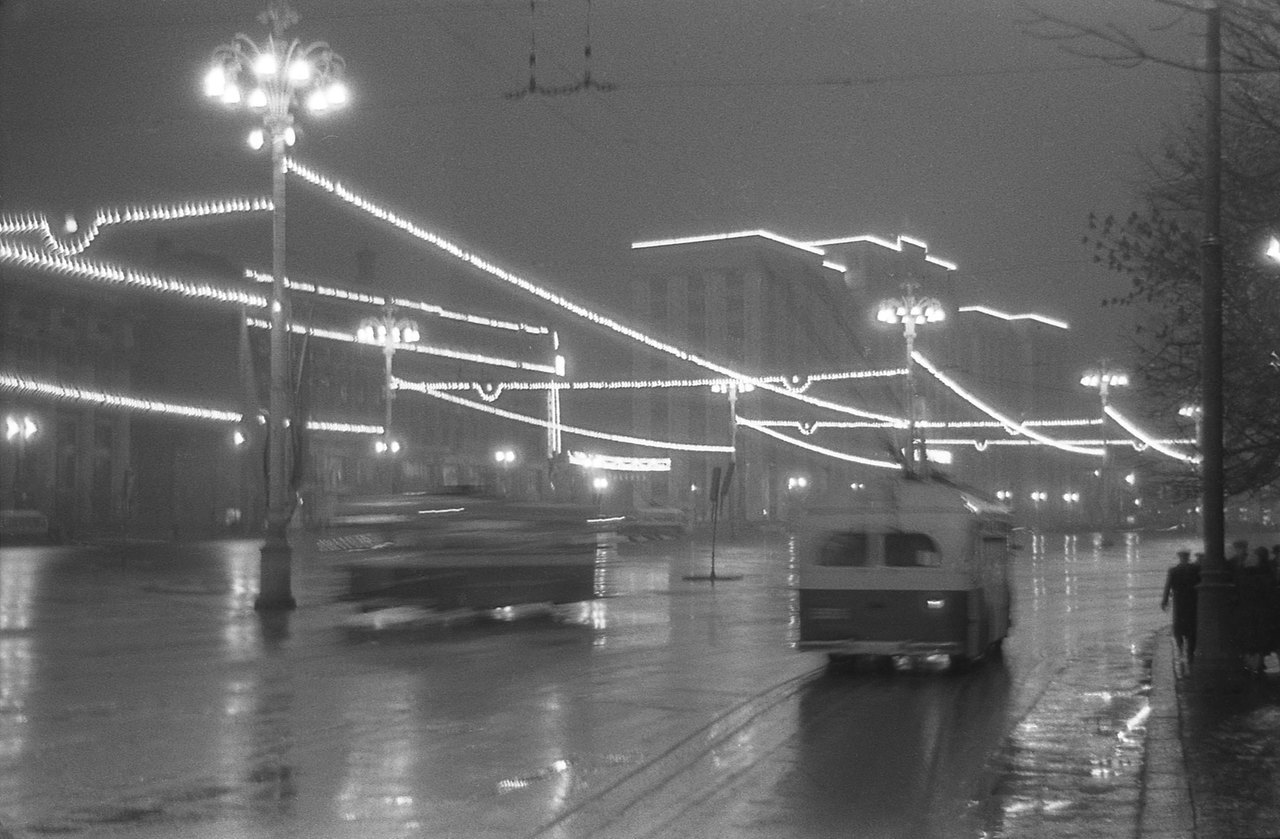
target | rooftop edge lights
[
  {"x": 885, "y": 243},
  {"x": 995, "y": 313},
  {"x": 817, "y": 247},
  {"x": 1158, "y": 445},
  {"x": 722, "y": 237},
  {"x": 476, "y": 261}
]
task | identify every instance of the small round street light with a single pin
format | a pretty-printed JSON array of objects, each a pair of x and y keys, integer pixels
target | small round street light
[{"x": 1104, "y": 379}]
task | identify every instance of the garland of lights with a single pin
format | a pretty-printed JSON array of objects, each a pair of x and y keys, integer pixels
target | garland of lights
[
  {"x": 56, "y": 259},
  {"x": 39, "y": 222},
  {"x": 769, "y": 432},
  {"x": 490, "y": 391},
  {"x": 336, "y": 189},
  {"x": 981, "y": 444},
  {"x": 808, "y": 427},
  {"x": 378, "y": 300},
  {"x": 1158, "y": 445},
  {"x": 1011, "y": 425},
  {"x": 569, "y": 429},
  {"x": 104, "y": 272},
  {"x": 33, "y": 387},
  {"x": 441, "y": 352}
]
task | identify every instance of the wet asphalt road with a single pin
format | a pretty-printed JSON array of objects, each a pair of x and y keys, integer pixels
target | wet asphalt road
[{"x": 141, "y": 696}]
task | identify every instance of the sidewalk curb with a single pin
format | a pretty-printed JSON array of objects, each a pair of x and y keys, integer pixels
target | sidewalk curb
[{"x": 1166, "y": 809}]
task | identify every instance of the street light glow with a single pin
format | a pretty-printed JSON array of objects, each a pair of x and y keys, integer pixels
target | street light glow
[
  {"x": 22, "y": 427},
  {"x": 1099, "y": 378}
]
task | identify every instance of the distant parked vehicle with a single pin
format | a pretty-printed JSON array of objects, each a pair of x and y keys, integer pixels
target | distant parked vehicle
[
  {"x": 905, "y": 567},
  {"x": 646, "y": 523},
  {"x": 24, "y": 527}
]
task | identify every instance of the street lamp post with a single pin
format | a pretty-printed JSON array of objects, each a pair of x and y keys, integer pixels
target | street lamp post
[
  {"x": 600, "y": 483},
  {"x": 17, "y": 431},
  {"x": 911, "y": 311},
  {"x": 388, "y": 332},
  {"x": 505, "y": 458},
  {"x": 269, "y": 79},
  {"x": 1103, "y": 378}
]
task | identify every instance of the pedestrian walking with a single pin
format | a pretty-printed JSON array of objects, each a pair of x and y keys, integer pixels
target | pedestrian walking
[
  {"x": 1180, "y": 590},
  {"x": 1239, "y": 553},
  {"x": 1257, "y": 601}
]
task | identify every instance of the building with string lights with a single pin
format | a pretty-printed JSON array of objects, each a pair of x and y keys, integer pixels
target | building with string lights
[
  {"x": 801, "y": 364},
  {"x": 135, "y": 389},
  {"x": 808, "y": 329},
  {"x": 792, "y": 325}
]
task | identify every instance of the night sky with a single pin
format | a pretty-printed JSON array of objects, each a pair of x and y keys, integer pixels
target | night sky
[{"x": 945, "y": 121}]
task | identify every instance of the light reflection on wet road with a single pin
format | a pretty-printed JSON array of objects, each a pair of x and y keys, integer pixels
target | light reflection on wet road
[{"x": 141, "y": 696}]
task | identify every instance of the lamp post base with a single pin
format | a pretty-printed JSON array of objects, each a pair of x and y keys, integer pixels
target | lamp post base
[
  {"x": 275, "y": 591},
  {"x": 1218, "y": 666}
]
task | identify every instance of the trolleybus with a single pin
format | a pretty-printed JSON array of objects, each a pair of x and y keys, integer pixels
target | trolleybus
[{"x": 907, "y": 566}]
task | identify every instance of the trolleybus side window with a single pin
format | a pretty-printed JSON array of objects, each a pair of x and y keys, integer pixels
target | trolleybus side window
[
  {"x": 910, "y": 550},
  {"x": 844, "y": 549}
]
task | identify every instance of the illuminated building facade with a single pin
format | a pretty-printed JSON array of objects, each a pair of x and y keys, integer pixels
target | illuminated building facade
[
  {"x": 143, "y": 408},
  {"x": 767, "y": 306}
]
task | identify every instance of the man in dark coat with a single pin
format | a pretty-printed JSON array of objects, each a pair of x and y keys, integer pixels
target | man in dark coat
[{"x": 1180, "y": 586}]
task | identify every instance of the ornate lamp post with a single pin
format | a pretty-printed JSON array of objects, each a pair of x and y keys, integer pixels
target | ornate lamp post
[
  {"x": 911, "y": 311},
  {"x": 505, "y": 458},
  {"x": 269, "y": 79},
  {"x": 388, "y": 332},
  {"x": 1103, "y": 379}
]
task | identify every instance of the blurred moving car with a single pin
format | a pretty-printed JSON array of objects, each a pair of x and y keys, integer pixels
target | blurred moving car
[{"x": 462, "y": 549}]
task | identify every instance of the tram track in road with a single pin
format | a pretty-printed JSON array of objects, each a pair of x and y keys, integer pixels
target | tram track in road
[
  {"x": 645, "y": 799},
  {"x": 827, "y": 750}
]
